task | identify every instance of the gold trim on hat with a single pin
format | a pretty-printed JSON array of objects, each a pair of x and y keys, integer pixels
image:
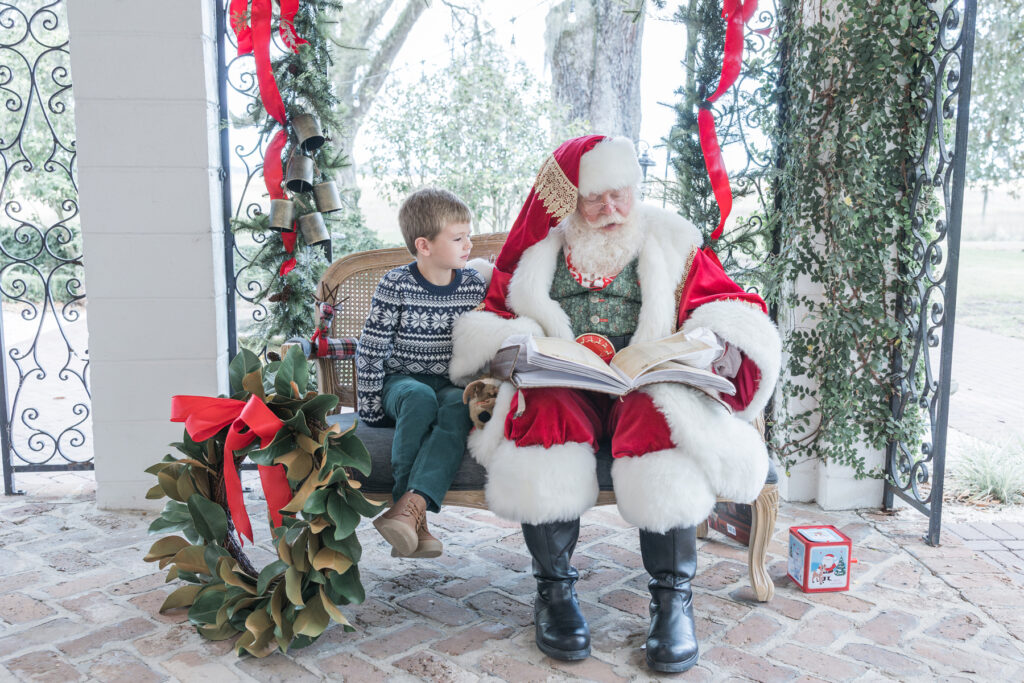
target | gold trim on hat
[{"x": 555, "y": 189}]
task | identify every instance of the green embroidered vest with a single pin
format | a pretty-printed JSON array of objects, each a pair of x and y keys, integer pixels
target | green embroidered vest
[{"x": 612, "y": 311}]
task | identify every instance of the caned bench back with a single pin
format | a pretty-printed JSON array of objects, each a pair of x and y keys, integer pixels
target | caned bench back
[{"x": 349, "y": 283}]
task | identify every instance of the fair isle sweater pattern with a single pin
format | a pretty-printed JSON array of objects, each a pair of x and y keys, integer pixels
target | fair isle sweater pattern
[{"x": 409, "y": 331}]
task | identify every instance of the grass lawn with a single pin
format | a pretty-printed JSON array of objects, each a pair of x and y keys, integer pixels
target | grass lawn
[{"x": 990, "y": 291}]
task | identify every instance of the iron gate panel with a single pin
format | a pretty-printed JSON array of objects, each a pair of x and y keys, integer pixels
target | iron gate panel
[
  {"x": 915, "y": 472},
  {"x": 45, "y": 370}
]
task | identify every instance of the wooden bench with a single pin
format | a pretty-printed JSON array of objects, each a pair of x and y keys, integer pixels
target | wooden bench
[{"x": 351, "y": 281}]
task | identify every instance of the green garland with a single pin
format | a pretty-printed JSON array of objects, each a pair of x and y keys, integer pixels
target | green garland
[
  {"x": 305, "y": 87},
  {"x": 290, "y": 602}
]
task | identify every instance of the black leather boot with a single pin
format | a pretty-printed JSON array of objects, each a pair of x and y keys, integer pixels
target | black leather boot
[
  {"x": 671, "y": 560},
  {"x": 562, "y": 632}
]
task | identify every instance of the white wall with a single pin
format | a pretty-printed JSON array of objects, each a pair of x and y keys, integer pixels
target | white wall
[{"x": 145, "y": 86}]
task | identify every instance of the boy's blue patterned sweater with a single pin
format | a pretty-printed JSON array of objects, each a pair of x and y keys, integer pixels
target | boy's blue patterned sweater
[{"x": 409, "y": 331}]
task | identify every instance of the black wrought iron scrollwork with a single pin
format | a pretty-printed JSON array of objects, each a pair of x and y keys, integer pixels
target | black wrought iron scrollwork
[
  {"x": 45, "y": 389},
  {"x": 914, "y": 471}
]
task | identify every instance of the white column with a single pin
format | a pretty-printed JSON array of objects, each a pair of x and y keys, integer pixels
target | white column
[{"x": 145, "y": 85}]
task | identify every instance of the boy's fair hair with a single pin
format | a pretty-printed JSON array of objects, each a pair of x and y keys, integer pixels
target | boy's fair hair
[{"x": 425, "y": 212}]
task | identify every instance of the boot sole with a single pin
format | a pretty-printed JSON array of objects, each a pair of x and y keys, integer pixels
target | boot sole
[
  {"x": 398, "y": 535},
  {"x": 673, "y": 667},
  {"x": 418, "y": 554},
  {"x": 564, "y": 655}
]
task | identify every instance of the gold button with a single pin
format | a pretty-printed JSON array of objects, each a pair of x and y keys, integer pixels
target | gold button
[{"x": 595, "y": 319}]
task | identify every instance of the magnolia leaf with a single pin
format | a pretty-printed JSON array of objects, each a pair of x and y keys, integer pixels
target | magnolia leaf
[
  {"x": 160, "y": 466},
  {"x": 268, "y": 574},
  {"x": 332, "y": 610},
  {"x": 227, "y": 573},
  {"x": 298, "y": 551},
  {"x": 222, "y": 632},
  {"x": 260, "y": 625},
  {"x": 243, "y": 642},
  {"x": 312, "y": 548},
  {"x": 181, "y": 597},
  {"x": 316, "y": 408},
  {"x": 358, "y": 502},
  {"x": 331, "y": 559},
  {"x": 307, "y": 443},
  {"x": 277, "y": 599},
  {"x": 186, "y": 489},
  {"x": 155, "y": 493},
  {"x": 348, "y": 546},
  {"x": 319, "y": 524},
  {"x": 298, "y": 423},
  {"x": 166, "y": 547},
  {"x": 347, "y": 586},
  {"x": 168, "y": 481},
  {"x": 293, "y": 586},
  {"x": 298, "y": 464},
  {"x": 313, "y": 618},
  {"x": 299, "y": 499},
  {"x": 253, "y": 383},
  {"x": 351, "y": 452},
  {"x": 283, "y": 443},
  {"x": 212, "y": 555},
  {"x": 241, "y": 365},
  {"x": 172, "y": 574},
  {"x": 293, "y": 368},
  {"x": 191, "y": 559},
  {"x": 206, "y": 605},
  {"x": 345, "y": 518},
  {"x": 210, "y": 519},
  {"x": 316, "y": 504},
  {"x": 284, "y": 551}
]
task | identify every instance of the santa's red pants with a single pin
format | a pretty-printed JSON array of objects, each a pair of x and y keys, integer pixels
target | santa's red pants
[{"x": 555, "y": 416}]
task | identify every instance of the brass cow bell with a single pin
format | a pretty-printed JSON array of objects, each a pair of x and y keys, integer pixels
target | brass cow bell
[
  {"x": 308, "y": 132},
  {"x": 298, "y": 176},
  {"x": 327, "y": 197},
  {"x": 314, "y": 230},
  {"x": 282, "y": 213}
]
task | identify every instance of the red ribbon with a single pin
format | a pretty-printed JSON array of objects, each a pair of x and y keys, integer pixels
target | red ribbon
[
  {"x": 289, "y": 8},
  {"x": 736, "y": 13},
  {"x": 204, "y": 417}
]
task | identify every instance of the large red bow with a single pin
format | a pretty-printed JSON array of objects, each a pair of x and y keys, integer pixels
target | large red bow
[
  {"x": 204, "y": 417},
  {"x": 736, "y": 13}
]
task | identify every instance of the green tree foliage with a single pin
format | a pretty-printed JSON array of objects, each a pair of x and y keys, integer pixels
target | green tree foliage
[
  {"x": 995, "y": 153},
  {"x": 478, "y": 127}
]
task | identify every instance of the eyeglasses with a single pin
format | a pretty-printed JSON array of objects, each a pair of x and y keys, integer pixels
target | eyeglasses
[{"x": 596, "y": 202}]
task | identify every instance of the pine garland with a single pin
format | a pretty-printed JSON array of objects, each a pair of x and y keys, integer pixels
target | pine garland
[{"x": 305, "y": 86}]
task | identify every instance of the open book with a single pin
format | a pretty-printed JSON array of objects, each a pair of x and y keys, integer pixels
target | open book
[{"x": 529, "y": 361}]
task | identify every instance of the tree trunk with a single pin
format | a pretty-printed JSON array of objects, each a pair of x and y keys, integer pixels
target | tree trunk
[
  {"x": 360, "y": 69},
  {"x": 595, "y": 65}
]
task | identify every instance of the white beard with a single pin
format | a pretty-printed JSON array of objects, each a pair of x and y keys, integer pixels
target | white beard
[{"x": 600, "y": 253}]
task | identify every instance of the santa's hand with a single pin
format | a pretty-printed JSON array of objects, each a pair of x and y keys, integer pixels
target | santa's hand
[{"x": 727, "y": 364}]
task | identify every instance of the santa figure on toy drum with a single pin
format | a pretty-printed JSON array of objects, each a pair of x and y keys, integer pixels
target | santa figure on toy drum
[{"x": 585, "y": 257}]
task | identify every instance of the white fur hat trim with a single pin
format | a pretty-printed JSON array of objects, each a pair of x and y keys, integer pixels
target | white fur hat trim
[{"x": 610, "y": 165}]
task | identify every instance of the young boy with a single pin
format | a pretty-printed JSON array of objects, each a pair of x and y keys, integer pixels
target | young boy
[{"x": 402, "y": 364}]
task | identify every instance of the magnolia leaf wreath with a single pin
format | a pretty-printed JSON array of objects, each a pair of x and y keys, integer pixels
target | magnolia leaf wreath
[{"x": 305, "y": 471}]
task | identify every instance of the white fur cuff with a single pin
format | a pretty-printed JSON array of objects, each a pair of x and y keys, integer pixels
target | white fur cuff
[
  {"x": 536, "y": 485},
  {"x": 476, "y": 337},
  {"x": 661, "y": 490}
]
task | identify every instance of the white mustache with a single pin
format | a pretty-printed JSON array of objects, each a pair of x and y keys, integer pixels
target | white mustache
[{"x": 607, "y": 220}]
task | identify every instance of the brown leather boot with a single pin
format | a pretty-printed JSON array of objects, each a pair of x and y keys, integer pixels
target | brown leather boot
[
  {"x": 398, "y": 525},
  {"x": 427, "y": 545}
]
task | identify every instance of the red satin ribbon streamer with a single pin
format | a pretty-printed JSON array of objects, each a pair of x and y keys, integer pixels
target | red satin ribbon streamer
[
  {"x": 736, "y": 13},
  {"x": 289, "y": 8},
  {"x": 249, "y": 420}
]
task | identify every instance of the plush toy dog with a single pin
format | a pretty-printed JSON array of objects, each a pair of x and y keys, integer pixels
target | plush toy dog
[{"x": 480, "y": 395}]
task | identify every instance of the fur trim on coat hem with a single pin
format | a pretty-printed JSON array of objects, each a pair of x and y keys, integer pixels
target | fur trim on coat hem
[
  {"x": 661, "y": 490},
  {"x": 476, "y": 337},
  {"x": 536, "y": 485}
]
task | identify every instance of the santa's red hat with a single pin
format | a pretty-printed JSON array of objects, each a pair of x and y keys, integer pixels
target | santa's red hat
[{"x": 584, "y": 166}]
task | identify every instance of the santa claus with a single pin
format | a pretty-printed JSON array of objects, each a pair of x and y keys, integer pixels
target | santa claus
[{"x": 585, "y": 256}]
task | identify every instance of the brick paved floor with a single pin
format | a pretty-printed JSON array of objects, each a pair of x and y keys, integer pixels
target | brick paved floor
[{"x": 78, "y": 603}]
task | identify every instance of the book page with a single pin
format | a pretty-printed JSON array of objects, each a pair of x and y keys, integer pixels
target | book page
[
  {"x": 698, "y": 349},
  {"x": 565, "y": 352}
]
